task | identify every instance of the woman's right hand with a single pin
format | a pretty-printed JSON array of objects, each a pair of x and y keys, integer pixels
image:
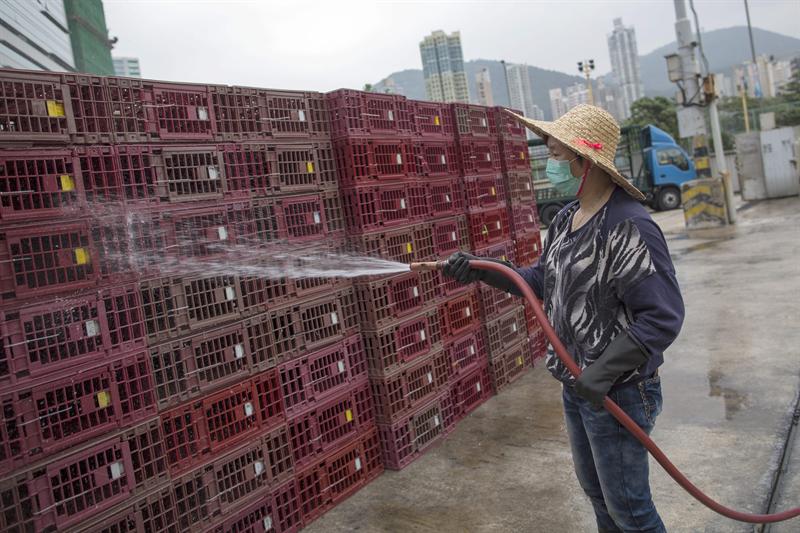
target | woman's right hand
[{"x": 458, "y": 268}]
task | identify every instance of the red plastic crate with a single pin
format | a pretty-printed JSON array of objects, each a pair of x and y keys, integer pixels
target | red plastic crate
[
  {"x": 470, "y": 391},
  {"x": 68, "y": 490},
  {"x": 174, "y": 306},
  {"x": 365, "y": 160},
  {"x": 407, "y": 439},
  {"x": 506, "y": 331},
  {"x": 503, "y": 250},
  {"x": 450, "y": 235},
  {"x": 515, "y": 155},
  {"x": 281, "y": 334},
  {"x": 446, "y": 197},
  {"x": 265, "y": 169},
  {"x": 372, "y": 207},
  {"x": 131, "y": 244},
  {"x": 495, "y": 302},
  {"x": 474, "y": 121},
  {"x": 413, "y": 384},
  {"x": 147, "y": 110},
  {"x": 44, "y": 259},
  {"x": 187, "y": 368},
  {"x": 44, "y": 107},
  {"x": 485, "y": 192},
  {"x": 296, "y": 114},
  {"x": 507, "y": 126},
  {"x": 466, "y": 353},
  {"x": 488, "y": 227},
  {"x": 361, "y": 113},
  {"x": 539, "y": 344},
  {"x": 154, "y": 511},
  {"x": 510, "y": 365},
  {"x": 38, "y": 184},
  {"x": 435, "y": 158},
  {"x": 459, "y": 314},
  {"x": 527, "y": 248},
  {"x": 297, "y": 219},
  {"x": 197, "y": 501},
  {"x": 446, "y": 286},
  {"x": 524, "y": 218},
  {"x": 323, "y": 428},
  {"x": 389, "y": 348},
  {"x": 432, "y": 119},
  {"x": 49, "y": 415},
  {"x": 311, "y": 379},
  {"x": 404, "y": 245},
  {"x": 331, "y": 480},
  {"x": 479, "y": 157},
  {"x": 231, "y": 415},
  {"x": 382, "y": 300},
  {"x": 276, "y": 513},
  {"x": 520, "y": 187},
  {"x": 41, "y": 338}
]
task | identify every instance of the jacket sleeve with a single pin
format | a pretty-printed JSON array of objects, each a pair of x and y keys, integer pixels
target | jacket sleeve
[
  {"x": 534, "y": 274},
  {"x": 645, "y": 282}
]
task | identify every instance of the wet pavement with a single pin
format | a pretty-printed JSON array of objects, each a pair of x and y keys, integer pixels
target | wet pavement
[{"x": 730, "y": 386}]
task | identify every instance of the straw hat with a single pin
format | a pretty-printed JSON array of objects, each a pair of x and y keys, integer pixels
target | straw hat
[{"x": 589, "y": 131}]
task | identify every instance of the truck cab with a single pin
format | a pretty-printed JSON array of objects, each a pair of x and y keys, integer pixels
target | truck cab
[{"x": 668, "y": 167}]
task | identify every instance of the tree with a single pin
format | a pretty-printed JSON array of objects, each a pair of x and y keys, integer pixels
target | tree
[
  {"x": 658, "y": 111},
  {"x": 368, "y": 88}
]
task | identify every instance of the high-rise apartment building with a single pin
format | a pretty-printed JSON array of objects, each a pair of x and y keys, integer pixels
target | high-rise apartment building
[
  {"x": 91, "y": 46},
  {"x": 625, "y": 65},
  {"x": 558, "y": 104},
  {"x": 577, "y": 94},
  {"x": 35, "y": 35},
  {"x": 484, "y": 85},
  {"x": 443, "y": 67},
  {"x": 127, "y": 66},
  {"x": 521, "y": 93}
]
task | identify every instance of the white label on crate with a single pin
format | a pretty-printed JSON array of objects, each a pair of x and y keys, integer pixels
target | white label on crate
[
  {"x": 514, "y": 327},
  {"x": 317, "y": 218},
  {"x": 472, "y": 349},
  {"x": 430, "y": 377},
  {"x": 443, "y": 159},
  {"x": 468, "y": 311},
  {"x": 116, "y": 470},
  {"x": 202, "y": 113},
  {"x": 340, "y": 366},
  {"x": 530, "y": 218},
  {"x": 535, "y": 247},
  {"x": 358, "y": 463},
  {"x": 399, "y": 159},
  {"x": 334, "y": 318},
  {"x": 213, "y": 173},
  {"x": 230, "y": 294},
  {"x": 483, "y": 121},
  {"x": 447, "y": 198},
  {"x": 436, "y": 421},
  {"x": 391, "y": 115},
  {"x": 248, "y": 409},
  {"x": 488, "y": 156},
  {"x": 222, "y": 231},
  {"x": 92, "y": 328},
  {"x": 267, "y": 523},
  {"x": 478, "y": 386},
  {"x": 508, "y": 295},
  {"x": 453, "y": 236},
  {"x": 527, "y": 186},
  {"x": 301, "y": 115},
  {"x": 402, "y": 203},
  {"x": 499, "y": 225},
  {"x": 415, "y": 291},
  {"x": 258, "y": 468},
  {"x": 422, "y": 334},
  {"x": 238, "y": 351}
]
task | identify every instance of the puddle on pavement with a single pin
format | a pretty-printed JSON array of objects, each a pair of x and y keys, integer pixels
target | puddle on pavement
[{"x": 733, "y": 400}]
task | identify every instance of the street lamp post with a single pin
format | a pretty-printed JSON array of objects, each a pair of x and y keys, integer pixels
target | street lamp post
[{"x": 586, "y": 67}]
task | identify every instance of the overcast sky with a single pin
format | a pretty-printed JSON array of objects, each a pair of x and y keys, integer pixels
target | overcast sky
[{"x": 328, "y": 44}]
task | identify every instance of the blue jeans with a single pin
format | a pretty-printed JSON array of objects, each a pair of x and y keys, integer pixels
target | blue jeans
[{"x": 612, "y": 466}]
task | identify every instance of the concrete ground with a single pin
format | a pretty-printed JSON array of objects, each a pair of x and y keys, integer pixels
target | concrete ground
[{"x": 730, "y": 385}]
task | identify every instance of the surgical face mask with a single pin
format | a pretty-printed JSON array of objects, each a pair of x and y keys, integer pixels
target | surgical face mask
[{"x": 561, "y": 177}]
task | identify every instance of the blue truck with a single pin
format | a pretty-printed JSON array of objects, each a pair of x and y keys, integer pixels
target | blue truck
[{"x": 646, "y": 155}]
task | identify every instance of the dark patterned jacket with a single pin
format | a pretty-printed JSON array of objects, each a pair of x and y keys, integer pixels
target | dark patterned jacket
[{"x": 613, "y": 274}]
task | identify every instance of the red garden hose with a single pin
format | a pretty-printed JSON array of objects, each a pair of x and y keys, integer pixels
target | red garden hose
[{"x": 612, "y": 407}]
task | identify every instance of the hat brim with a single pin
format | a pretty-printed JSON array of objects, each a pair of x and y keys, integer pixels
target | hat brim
[{"x": 544, "y": 128}]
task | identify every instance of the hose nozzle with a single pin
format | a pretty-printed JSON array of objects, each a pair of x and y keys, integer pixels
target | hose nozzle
[{"x": 427, "y": 266}]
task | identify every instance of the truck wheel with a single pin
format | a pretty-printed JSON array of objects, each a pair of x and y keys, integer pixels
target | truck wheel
[
  {"x": 548, "y": 213},
  {"x": 668, "y": 198}
]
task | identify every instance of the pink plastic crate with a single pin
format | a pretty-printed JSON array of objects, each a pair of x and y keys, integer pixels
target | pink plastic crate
[
  {"x": 510, "y": 365},
  {"x": 382, "y": 300},
  {"x": 361, "y": 113},
  {"x": 450, "y": 235},
  {"x": 485, "y": 192},
  {"x": 506, "y": 330},
  {"x": 527, "y": 248},
  {"x": 391, "y": 347},
  {"x": 405, "y": 244},
  {"x": 466, "y": 353},
  {"x": 488, "y": 227},
  {"x": 372, "y": 207},
  {"x": 474, "y": 121},
  {"x": 436, "y": 158},
  {"x": 299, "y": 219},
  {"x": 276, "y": 513},
  {"x": 507, "y": 126},
  {"x": 470, "y": 391},
  {"x": 459, "y": 314},
  {"x": 432, "y": 119},
  {"x": 479, "y": 156},
  {"x": 520, "y": 186},
  {"x": 365, "y": 160},
  {"x": 446, "y": 197},
  {"x": 524, "y": 218},
  {"x": 515, "y": 155}
]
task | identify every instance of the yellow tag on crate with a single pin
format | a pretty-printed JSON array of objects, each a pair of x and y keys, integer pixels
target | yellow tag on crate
[
  {"x": 103, "y": 399},
  {"x": 348, "y": 415},
  {"x": 67, "y": 183},
  {"x": 494, "y": 192},
  {"x": 436, "y": 120},
  {"x": 522, "y": 155},
  {"x": 55, "y": 108},
  {"x": 409, "y": 248},
  {"x": 485, "y": 230},
  {"x": 82, "y": 256},
  {"x": 519, "y": 361},
  {"x": 310, "y": 167}
]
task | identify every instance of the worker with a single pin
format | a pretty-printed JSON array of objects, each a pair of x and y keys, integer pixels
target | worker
[{"x": 609, "y": 289}]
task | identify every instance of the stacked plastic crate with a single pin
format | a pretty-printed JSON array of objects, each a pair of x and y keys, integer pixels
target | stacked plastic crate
[
  {"x": 525, "y": 234},
  {"x": 148, "y": 382}
]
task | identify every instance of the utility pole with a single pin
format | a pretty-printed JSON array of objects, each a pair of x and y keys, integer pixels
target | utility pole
[
  {"x": 684, "y": 67},
  {"x": 750, "y": 31},
  {"x": 508, "y": 87},
  {"x": 587, "y": 66}
]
